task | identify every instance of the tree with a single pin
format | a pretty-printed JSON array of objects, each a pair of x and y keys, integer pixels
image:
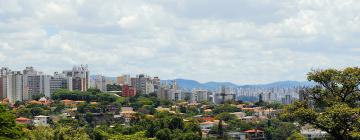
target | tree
[
  {"x": 190, "y": 136},
  {"x": 24, "y": 112},
  {"x": 176, "y": 123},
  {"x": 296, "y": 136},
  {"x": 237, "y": 125},
  {"x": 163, "y": 134},
  {"x": 8, "y": 127},
  {"x": 37, "y": 96},
  {"x": 137, "y": 136},
  {"x": 226, "y": 116},
  {"x": 41, "y": 133},
  {"x": 334, "y": 104},
  {"x": 225, "y": 108},
  {"x": 280, "y": 130},
  {"x": 70, "y": 133},
  {"x": 220, "y": 130}
]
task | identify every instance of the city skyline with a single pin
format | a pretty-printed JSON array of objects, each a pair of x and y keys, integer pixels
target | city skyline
[{"x": 243, "y": 42}]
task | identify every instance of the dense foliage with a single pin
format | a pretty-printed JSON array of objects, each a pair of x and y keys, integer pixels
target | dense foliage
[
  {"x": 90, "y": 95},
  {"x": 333, "y": 105}
]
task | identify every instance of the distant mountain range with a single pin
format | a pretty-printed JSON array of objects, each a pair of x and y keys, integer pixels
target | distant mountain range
[{"x": 190, "y": 84}]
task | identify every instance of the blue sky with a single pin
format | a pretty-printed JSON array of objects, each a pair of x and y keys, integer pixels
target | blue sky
[{"x": 240, "y": 41}]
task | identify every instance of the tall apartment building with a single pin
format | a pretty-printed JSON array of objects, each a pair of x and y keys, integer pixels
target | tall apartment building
[
  {"x": 144, "y": 84},
  {"x": 35, "y": 83},
  {"x": 14, "y": 86},
  {"x": 128, "y": 91},
  {"x": 169, "y": 92},
  {"x": 80, "y": 77},
  {"x": 223, "y": 94},
  {"x": 3, "y": 81},
  {"x": 60, "y": 81},
  {"x": 123, "y": 79},
  {"x": 156, "y": 83},
  {"x": 99, "y": 82},
  {"x": 199, "y": 95}
]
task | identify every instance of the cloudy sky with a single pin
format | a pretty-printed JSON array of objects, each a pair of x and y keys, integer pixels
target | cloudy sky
[{"x": 241, "y": 41}]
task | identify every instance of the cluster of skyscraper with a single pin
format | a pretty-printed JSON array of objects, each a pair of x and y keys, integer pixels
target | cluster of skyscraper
[
  {"x": 168, "y": 89},
  {"x": 23, "y": 85},
  {"x": 285, "y": 95}
]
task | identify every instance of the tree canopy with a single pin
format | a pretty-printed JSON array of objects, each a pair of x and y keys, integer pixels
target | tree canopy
[{"x": 333, "y": 105}]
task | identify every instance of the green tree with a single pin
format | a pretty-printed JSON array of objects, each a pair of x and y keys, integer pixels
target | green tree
[
  {"x": 280, "y": 130},
  {"x": 70, "y": 133},
  {"x": 24, "y": 112},
  {"x": 37, "y": 96},
  {"x": 40, "y": 133},
  {"x": 334, "y": 104},
  {"x": 226, "y": 116},
  {"x": 220, "y": 130},
  {"x": 296, "y": 136},
  {"x": 176, "y": 123},
  {"x": 189, "y": 136},
  {"x": 8, "y": 127},
  {"x": 137, "y": 136},
  {"x": 237, "y": 125},
  {"x": 163, "y": 134}
]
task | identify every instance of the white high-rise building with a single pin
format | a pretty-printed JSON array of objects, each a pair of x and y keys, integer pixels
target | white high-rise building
[
  {"x": 99, "y": 82},
  {"x": 60, "y": 81},
  {"x": 35, "y": 83},
  {"x": 14, "y": 86},
  {"x": 199, "y": 95},
  {"x": 80, "y": 77}
]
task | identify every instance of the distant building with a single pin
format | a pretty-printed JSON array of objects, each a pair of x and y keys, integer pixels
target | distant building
[
  {"x": 312, "y": 134},
  {"x": 99, "y": 82},
  {"x": 15, "y": 86},
  {"x": 3, "y": 82},
  {"x": 143, "y": 84},
  {"x": 35, "y": 83},
  {"x": 128, "y": 91},
  {"x": 41, "y": 120},
  {"x": 287, "y": 100},
  {"x": 255, "y": 134},
  {"x": 80, "y": 77},
  {"x": 22, "y": 85},
  {"x": 156, "y": 83},
  {"x": 60, "y": 81},
  {"x": 199, "y": 95},
  {"x": 123, "y": 79},
  {"x": 223, "y": 95},
  {"x": 127, "y": 113}
]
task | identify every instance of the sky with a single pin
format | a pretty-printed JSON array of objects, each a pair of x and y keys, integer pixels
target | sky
[{"x": 240, "y": 41}]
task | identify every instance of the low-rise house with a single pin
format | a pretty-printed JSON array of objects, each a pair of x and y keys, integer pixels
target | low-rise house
[
  {"x": 35, "y": 102},
  {"x": 23, "y": 120},
  {"x": 77, "y": 103},
  {"x": 239, "y": 115},
  {"x": 249, "y": 118},
  {"x": 41, "y": 120},
  {"x": 44, "y": 101},
  {"x": 311, "y": 134},
  {"x": 127, "y": 113},
  {"x": 237, "y": 135},
  {"x": 161, "y": 109},
  {"x": 206, "y": 126},
  {"x": 68, "y": 103},
  {"x": 255, "y": 134}
]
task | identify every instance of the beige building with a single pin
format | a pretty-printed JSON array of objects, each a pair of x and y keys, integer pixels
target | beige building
[{"x": 123, "y": 79}]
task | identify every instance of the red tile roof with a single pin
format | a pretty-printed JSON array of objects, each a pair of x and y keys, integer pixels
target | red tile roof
[
  {"x": 253, "y": 131},
  {"x": 22, "y": 119}
]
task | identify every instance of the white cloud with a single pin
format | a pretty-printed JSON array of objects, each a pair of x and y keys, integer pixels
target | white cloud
[{"x": 251, "y": 41}]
